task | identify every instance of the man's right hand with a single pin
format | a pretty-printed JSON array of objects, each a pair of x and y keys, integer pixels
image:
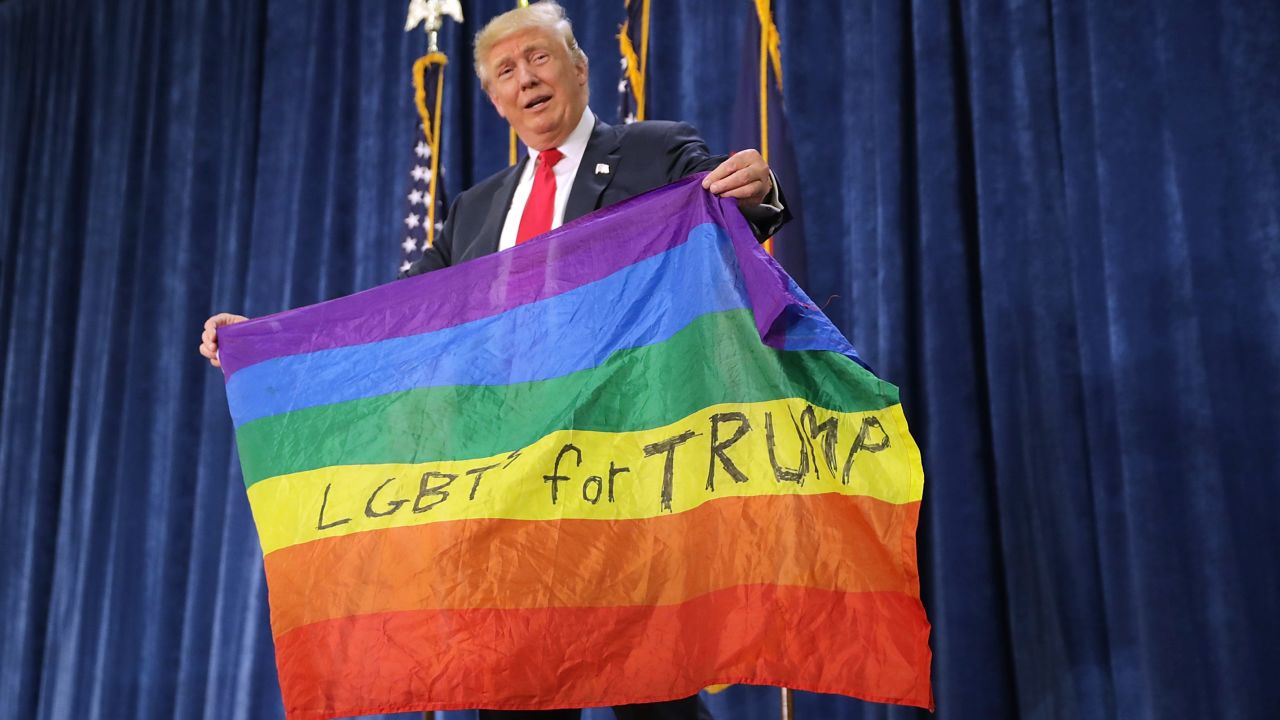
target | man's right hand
[{"x": 209, "y": 340}]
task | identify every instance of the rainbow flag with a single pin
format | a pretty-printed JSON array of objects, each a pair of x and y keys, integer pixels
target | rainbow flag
[{"x": 617, "y": 464}]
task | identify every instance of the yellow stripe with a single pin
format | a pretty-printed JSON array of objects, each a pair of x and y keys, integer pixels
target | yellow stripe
[{"x": 607, "y": 476}]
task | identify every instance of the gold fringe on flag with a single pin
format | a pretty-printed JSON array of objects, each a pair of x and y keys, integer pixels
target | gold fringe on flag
[
  {"x": 770, "y": 54},
  {"x": 637, "y": 67},
  {"x": 431, "y": 122}
]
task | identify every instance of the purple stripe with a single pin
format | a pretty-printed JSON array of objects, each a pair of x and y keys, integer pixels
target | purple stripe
[
  {"x": 577, "y": 253},
  {"x": 580, "y": 252},
  {"x": 765, "y": 280},
  {"x": 785, "y": 316}
]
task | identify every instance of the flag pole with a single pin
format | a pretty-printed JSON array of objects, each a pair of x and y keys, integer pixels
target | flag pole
[{"x": 769, "y": 51}]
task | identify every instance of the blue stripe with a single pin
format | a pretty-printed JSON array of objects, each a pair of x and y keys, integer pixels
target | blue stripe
[
  {"x": 807, "y": 328},
  {"x": 642, "y": 304}
]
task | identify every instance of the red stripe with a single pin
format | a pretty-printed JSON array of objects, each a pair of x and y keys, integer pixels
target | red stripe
[{"x": 872, "y": 646}]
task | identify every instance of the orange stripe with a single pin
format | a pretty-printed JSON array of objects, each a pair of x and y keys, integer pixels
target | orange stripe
[
  {"x": 834, "y": 542},
  {"x": 872, "y": 646}
]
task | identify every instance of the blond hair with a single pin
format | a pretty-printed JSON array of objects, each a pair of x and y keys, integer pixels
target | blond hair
[{"x": 546, "y": 15}]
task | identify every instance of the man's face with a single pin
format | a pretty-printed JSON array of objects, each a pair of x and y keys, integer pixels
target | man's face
[{"x": 535, "y": 85}]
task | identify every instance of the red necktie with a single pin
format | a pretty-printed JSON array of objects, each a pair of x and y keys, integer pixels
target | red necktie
[{"x": 541, "y": 206}]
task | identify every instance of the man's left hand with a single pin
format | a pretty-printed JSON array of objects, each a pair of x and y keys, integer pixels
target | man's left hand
[{"x": 744, "y": 176}]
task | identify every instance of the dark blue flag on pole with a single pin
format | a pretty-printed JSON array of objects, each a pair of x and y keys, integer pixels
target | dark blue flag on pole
[{"x": 760, "y": 121}]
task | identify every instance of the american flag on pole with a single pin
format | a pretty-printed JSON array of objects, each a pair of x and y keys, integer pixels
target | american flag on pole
[{"x": 425, "y": 203}]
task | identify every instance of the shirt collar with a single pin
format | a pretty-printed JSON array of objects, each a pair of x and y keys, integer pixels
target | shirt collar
[{"x": 576, "y": 144}]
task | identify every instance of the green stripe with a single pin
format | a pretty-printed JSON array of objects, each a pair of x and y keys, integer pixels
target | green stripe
[{"x": 717, "y": 358}]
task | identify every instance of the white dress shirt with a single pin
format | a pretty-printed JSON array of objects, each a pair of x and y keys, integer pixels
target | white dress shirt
[{"x": 566, "y": 170}]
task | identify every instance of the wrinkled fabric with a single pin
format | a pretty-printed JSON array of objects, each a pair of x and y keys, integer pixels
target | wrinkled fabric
[{"x": 639, "y": 463}]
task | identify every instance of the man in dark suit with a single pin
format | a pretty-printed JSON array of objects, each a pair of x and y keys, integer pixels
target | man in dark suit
[
  {"x": 535, "y": 74},
  {"x": 619, "y": 162}
]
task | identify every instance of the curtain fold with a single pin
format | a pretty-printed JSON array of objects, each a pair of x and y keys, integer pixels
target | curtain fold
[{"x": 1055, "y": 225}]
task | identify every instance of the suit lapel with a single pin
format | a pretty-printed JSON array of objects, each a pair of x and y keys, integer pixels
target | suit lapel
[
  {"x": 490, "y": 234},
  {"x": 589, "y": 185}
]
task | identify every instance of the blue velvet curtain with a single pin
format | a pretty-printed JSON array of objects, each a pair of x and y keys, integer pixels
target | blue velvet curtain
[{"x": 1055, "y": 224}]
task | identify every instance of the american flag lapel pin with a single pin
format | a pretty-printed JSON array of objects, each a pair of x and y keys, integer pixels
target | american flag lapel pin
[{"x": 602, "y": 169}]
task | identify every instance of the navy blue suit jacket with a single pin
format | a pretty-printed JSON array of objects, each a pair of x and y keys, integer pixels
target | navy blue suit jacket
[{"x": 641, "y": 157}]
